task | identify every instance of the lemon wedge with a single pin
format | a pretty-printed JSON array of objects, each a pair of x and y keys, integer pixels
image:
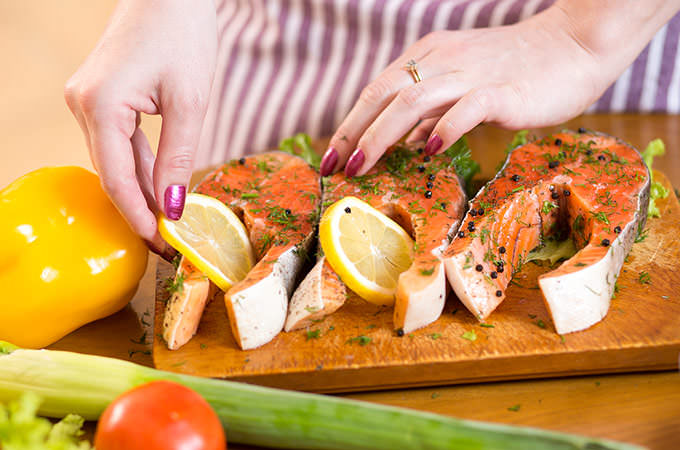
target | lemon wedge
[
  {"x": 212, "y": 238},
  {"x": 367, "y": 249}
]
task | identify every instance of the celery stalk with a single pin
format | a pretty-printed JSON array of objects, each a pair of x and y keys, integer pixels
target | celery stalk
[{"x": 84, "y": 384}]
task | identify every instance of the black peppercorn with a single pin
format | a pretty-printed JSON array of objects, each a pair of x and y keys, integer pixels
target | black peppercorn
[
  {"x": 428, "y": 194},
  {"x": 348, "y": 210},
  {"x": 581, "y": 130},
  {"x": 400, "y": 332},
  {"x": 493, "y": 275},
  {"x": 288, "y": 212},
  {"x": 501, "y": 250},
  {"x": 420, "y": 150},
  {"x": 567, "y": 192},
  {"x": 242, "y": 161},
  {"x": 473, "y": 212},
  {"x": 443, "y": 205},
  {"x": 471, "y": 227},
  {"x": 601, "y": 157},
  {"x": 499, "y": 293},
  {"x": 421, "y": 169},
  {"x": 427, "y": 158},
  {"x": 480, "y": 211},
  {"x": 555, "y": 195},
  {"x": 431, "y": 177},
  {"x": 429, "y": 185},
  {"x": 553, "y": 164},
  {"x": 479, "y": 267},
  {"x": 558, "y": 142},
  {"x": 617, "y": 229},
  {"x": 500, "y": 269},
  {"x": 589, "y": 152},
  {"x": 515, "y": 177},
  {"x": 605, "y": 242},
  {"x": 461, "y": 234}
]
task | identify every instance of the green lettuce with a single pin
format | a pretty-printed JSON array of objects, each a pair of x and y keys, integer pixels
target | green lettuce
[
  {"x": 656, "y": 190},
  {"x": 21, "y": 429},
  {"x": 301, "y": 145}
]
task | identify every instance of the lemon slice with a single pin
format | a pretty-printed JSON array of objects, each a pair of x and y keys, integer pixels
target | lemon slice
[
  {"x": 212, "y": 238},
  {"x": 367, "y": 249}
]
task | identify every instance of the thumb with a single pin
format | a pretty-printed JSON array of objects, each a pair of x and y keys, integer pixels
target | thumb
[{"x": 180, "y": 133}]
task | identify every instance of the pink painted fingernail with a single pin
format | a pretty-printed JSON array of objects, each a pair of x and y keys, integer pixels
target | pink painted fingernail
[
  {"x": 355, "y": 162},
  {"x": 328, "y": 162},
  {"x": 175, "y": 195},
  {"x": 433, "y": 144}
]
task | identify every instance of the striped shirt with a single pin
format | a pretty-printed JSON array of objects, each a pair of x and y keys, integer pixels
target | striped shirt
[{"x": 286, "y": 66}]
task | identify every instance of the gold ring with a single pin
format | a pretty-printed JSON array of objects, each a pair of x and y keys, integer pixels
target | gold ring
[{"x": 412, "y": 67}]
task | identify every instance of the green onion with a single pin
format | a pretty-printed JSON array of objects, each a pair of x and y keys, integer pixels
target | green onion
[{"x": 85, "y": 384}]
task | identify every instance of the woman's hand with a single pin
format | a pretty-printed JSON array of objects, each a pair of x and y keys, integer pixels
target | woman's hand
[
  {"x": 539, "y": 72},
  {"x": 155, "y": 57}
]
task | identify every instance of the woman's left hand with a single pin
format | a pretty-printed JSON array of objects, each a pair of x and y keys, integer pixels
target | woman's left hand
[{"x": 534, "y": 73}]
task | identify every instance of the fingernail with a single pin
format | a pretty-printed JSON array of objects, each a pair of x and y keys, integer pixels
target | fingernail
[
  {"x": 433, "y": 144},
  {"x": 174, "y": 201},
  {"x": 355, "y": 162},
  {"x": 330, "y": 158}
]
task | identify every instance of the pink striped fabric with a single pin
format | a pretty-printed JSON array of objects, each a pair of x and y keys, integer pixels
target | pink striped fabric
[{"x": 286, "y": 66}]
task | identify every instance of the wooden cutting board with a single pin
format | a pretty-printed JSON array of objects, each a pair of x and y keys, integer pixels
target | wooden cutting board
[{"x": 640, "y": 333}]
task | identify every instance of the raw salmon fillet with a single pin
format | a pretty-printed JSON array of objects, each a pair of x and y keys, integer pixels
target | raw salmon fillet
[
  {"x": 589, "y": 186},
  {"x": 422, "y": 194},
  {"x": 277, "y": 196}
]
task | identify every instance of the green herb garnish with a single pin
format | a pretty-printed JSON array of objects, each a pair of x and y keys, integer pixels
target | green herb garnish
[{"x": 469, "y": 335}]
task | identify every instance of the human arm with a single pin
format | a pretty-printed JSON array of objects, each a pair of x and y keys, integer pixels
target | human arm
[
  {"x": 155, "y": 57},
  {"x": 538, "y": 72}
]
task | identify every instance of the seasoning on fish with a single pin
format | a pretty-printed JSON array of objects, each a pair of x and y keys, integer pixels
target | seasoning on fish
[
  {"x": 277, "y": 196},
  {"x": 599, "y": 202},
  {"x": 396, "y": 187}
]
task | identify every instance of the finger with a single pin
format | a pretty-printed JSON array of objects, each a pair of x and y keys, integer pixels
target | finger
[
  {"x": 424, "y": 99},
  {"x": 71, "y": 95},
  {"x": 422, "y": 130},
  {"x": 479, "y": 105},
  {"x": 110, "y": 134},
  {"x": 372, "y": 100},
  {"x": 182, "y": 120}
]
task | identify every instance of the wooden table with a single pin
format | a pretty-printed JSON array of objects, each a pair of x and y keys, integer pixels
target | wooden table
[{"x": 639, "y": 408}]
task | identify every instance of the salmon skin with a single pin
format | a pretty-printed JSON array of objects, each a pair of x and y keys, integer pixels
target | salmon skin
[
  {"x": 589, "y": 186},
  {"x": 277, "y": 197},
  {"x": 424, "y": 195}
]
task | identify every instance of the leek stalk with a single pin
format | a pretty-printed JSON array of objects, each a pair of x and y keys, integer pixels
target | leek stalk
[{"x": 85, "y": 384}]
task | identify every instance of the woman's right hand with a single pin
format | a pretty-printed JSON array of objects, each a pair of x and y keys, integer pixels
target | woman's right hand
[{"x": 155, "y": 57}]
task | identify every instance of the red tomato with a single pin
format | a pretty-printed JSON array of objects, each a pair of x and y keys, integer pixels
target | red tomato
[{"x": 160, "y": 415}]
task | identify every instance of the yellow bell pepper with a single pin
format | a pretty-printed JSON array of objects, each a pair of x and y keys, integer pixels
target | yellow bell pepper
[{"x": 67, "y": 256}]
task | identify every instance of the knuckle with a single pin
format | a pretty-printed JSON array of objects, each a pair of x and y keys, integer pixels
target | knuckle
[
  {"x": 190, "y": 101},
  {"x": 377, "y": 92},
  {"x": 88, "y": 96},
  {"x": 411, "y": 96},
  {"x": 483, "y": 99},
  {"x": 180, "y": 160}
]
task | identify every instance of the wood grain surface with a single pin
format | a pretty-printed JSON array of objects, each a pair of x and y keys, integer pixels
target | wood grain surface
[{"x": 641, "y": 332}]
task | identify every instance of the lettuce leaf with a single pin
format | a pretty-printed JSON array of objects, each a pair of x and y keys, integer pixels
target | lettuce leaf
[
  {"x": 656, "y": 190},
  {"x": 21, "y": 429},
  {"x": 301, "y": 145}
]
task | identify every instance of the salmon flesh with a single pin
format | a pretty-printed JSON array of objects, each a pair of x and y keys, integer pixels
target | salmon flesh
[
  {"x": 424, "y": 195},
  {"x": 277, "y": 197},
  {"x": 590, "y": 187}
]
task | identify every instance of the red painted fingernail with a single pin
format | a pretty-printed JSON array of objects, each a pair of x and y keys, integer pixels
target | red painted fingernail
[
  {"x": 175, "y": 194},
  {"x": 328, "y": 162},
  {"x": 433, "y": 144},
  {"x": 355, "y": 162}
]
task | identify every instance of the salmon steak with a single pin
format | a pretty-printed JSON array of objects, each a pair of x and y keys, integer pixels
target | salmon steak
[
  {"x": 589, "y": 187},
  {"x": 277, "y": 197},
  {"x": 422, "y": 194}
]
